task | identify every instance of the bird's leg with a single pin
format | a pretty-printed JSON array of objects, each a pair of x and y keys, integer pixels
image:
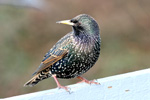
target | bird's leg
[
  {"x": 86, "y": 81},
  {"x": 59, "y": 85}
]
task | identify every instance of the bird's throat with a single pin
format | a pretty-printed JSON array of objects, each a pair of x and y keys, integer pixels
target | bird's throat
[{"x": 83, "y": 43}]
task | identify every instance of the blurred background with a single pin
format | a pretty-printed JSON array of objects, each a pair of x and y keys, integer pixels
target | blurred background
[{"x": 28, "y": 30}]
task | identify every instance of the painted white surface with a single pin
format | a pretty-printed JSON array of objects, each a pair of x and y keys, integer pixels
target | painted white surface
[{"x": 129, "y": 86}]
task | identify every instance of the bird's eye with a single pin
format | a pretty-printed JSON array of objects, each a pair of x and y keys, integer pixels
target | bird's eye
[{"x": 74, "y": 21}]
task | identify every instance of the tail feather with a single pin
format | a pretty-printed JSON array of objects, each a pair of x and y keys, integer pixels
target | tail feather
[{"x": 37, "y": 78}]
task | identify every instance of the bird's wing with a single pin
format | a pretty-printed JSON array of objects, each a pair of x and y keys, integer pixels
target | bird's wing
[
  {"x": 50, "y": 58},
  {"x": 57, "y": 52}
]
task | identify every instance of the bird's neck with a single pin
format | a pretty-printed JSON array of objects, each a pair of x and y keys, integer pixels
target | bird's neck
[{"x": 84, "y": 42}]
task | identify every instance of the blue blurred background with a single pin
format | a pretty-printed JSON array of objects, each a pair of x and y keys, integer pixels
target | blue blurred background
[{"x": 28, "y": 30}]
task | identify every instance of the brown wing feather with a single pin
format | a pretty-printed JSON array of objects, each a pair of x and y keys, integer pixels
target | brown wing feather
[
  {"x": 58, "y": 51},
  {"x": 53, "y": 58}
]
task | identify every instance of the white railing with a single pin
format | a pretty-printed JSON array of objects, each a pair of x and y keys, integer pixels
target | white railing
[{"x": 129, "y": 86}]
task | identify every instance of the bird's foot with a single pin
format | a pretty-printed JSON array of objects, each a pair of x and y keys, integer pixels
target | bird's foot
[
  {"x": 87, "y": 81},
  {"x": 64, "y": 87},
  {"x": 60, "y": 86}
]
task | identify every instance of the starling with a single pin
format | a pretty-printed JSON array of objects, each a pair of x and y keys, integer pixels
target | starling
[{"x": 73, "y": 55}]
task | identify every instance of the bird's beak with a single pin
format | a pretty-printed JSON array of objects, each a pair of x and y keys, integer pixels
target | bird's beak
[{"x": 67, "y": 22}]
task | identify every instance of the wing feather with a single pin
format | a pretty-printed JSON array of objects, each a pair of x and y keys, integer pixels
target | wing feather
[
  {"x": 51, "y": 59},
  {"x": 58, "y": 51}
]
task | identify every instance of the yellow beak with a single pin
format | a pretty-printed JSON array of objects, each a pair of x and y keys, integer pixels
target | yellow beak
[{"x": 67, "y": 22}]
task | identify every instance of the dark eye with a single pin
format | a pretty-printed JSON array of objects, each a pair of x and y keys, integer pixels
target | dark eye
[{"x": 74, "y": 21}]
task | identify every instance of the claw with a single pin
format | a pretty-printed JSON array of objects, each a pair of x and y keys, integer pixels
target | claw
[
  {"x": 96, "y": 81},
  {"x": 68, "y": 89},
  {"x": 64, "y": 87},
  {"x": 60, "y": 86},
  {"x": 86, "y": 81}
]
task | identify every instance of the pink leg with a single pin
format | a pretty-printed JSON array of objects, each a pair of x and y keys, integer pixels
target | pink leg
[
  {"x": 86, "y": 81},
  {"x": 58, "y": 84}
]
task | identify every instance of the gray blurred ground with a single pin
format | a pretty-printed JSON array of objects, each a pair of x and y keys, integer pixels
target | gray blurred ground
[{"x": 27, "y": 33}]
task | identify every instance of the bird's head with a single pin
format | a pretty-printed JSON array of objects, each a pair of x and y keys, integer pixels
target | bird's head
[{"x": 82, "y": 24}]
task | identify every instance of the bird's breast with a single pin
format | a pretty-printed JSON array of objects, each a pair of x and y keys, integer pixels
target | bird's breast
[{"x": 81, "y": 56}]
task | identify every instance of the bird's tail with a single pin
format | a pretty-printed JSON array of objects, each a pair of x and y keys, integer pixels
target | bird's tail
[{"x": 37, "y": 78}]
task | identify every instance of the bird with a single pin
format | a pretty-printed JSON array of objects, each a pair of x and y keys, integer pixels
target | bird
[{"x": 73, "y": 55}]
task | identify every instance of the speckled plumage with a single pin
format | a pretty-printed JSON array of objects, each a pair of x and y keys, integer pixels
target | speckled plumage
[{"x": 74, "y": 54}]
